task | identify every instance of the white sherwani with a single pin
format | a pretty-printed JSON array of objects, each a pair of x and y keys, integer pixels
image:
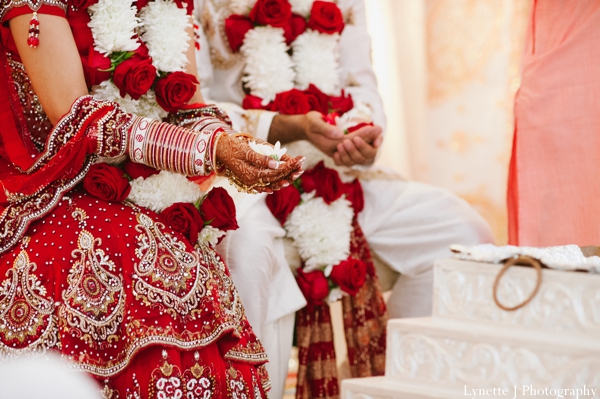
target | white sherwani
[{"x": 407, "y": 224}]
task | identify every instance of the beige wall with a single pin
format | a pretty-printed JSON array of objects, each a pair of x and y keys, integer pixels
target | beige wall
[{"x": 450, "y": 70}]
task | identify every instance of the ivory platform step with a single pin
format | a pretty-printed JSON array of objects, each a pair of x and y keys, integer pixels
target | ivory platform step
[
  {"x": 567, "y": 301},
  {"x": 449, "y": 355},
  {"x": 382, "y": 388}
]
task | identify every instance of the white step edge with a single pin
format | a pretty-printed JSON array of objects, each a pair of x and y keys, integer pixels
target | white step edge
[
  {"x": 567, "y": 301},
  {"x": 381, "y": 388},
  {"x": 457, "y": 355}
]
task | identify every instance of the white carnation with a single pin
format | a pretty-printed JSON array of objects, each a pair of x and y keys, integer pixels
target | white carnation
[
  {"x": 113, "y": 24},
  {"x": 162, "y": 190},
  {"x": 321, "y": 232},
  {"x": 109, "y": 92},
  {"x": 146, "y": 106},
  {"x": 268, "y": 69},
  {"x": 164, "y": 32},
  {"x": 301, "y": 7},
  {"x": 149, "y": 108},
  {"x": 241, "y": 7},
  {"x": 210, "y": 236},
  {"x": 315, "y": 56},
  {"x": 335, "y": 295}
]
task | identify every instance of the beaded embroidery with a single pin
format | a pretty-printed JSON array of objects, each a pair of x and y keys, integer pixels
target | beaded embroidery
[{"x": 34, "y": 5}]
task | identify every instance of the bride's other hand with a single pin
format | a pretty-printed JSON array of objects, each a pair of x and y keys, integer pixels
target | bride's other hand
[{"x": 253, "y": 171}]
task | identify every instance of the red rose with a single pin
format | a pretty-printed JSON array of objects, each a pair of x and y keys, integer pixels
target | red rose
[
  {"x": 254, "y": 102},
  {"x": 187, "y": 4},
  {"x": 106, "y": 182},
  {"x": 358, "y": 126},
  {"x": 271, "y": 12},
  {"x": 218, "y": 210},
  {"x": 354, "y": 194},
  {"x": 350, "y": 275},
  {"x": 135, "y": 170},
  {"x": 314, "y": 286},
  {"x": 325, "y": 181},
  {"x": 82, "y": 33},
  {"x": 294, "y": 27},
  {"x": 281, "y": 203},
  {"x": 236, "y": 27},
  {"x": 95, "y": 68},
  {"x": 175, "y": 90},
  {"x": 341, "y": 104},
  {"x": 317, "y": 100},
  {"x": 292, "y": 102},
  {"x": 134, "y": 76},
  {"x": 326, "y": 17},
  {"x": 141, "y": 4},
  {"x": 184, "y": 218}
]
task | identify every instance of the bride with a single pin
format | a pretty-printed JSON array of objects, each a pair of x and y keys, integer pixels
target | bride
[{"x": 120, "y": 275}]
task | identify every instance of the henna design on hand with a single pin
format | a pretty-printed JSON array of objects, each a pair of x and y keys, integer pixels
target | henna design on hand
[{"x": 251, "y": 171}]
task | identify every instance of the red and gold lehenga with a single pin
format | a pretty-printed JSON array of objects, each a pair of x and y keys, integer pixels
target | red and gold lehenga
[{"x": 131, "y": 301}]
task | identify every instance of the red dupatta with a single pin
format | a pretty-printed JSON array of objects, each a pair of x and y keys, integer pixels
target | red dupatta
[{"x": 32, "y": 182}]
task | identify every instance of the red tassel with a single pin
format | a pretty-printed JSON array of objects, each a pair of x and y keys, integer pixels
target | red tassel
[{"x": 34, "y": 31}]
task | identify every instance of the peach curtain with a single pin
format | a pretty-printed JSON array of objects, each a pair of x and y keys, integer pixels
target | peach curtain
[{"x": 451, "y": 70}]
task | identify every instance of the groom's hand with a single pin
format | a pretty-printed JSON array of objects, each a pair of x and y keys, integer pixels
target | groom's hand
[
  {"x": 311, "y": 127},
  {"x": 321, "y": 134},
  {"x": 359, "y": 147}
]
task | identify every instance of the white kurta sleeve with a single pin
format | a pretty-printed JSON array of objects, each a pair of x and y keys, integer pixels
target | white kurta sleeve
[
  {"x": 358, "y": 76},
  {"x": 255, "y": 122}
]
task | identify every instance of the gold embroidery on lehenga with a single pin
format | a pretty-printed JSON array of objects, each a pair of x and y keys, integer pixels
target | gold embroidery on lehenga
[
  {"x": 230, "y": 299},
  {"x": 94, "y": 301},
  {"x": 168, "y": 382},
  {"x": 26, "y": 314},
  {"x": 198, "y": 382},
  {"x": 167, "y": 274},
  {"x": 237, "y": 387}
]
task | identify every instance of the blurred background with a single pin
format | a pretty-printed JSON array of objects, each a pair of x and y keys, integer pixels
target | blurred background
[{"x": 448, "y": 71}]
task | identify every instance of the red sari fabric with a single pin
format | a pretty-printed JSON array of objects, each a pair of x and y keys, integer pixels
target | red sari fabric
[
  {"x": 127, "y": 298},
  {"x": 554, "y": 190},
  {"x": 365, "y": 321}
]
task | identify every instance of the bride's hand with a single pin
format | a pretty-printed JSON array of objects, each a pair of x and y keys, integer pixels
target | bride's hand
[{"x": 252, "y": 171}]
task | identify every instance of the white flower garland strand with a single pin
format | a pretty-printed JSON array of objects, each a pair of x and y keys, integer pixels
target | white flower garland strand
[
  {"x": 315, "y": 56},
  {"x": 113, "y": 25},
  {"x": 163, "y": 24},
  {"x": 268, "y": 69},
  {"x": 160, "y": 191},
  {"x": 109, "y": 92},
  {"x": 164, "y": 32},
  {"x": 321, "y": 232},
  {"x": 146, "y": 106},
  {"x": 301, "y": 7},
  {"x": 210, "y": 235}
]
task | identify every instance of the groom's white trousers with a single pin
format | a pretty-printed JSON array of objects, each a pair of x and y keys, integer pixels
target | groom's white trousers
[{"x": 407, "y": 225}]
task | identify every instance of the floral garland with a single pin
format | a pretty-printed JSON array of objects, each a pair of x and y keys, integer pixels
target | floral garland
[
  {"x": 140, "y": 55},
  {"x": 266, "y": 33},
  {"x": 180, "y": 202},
  {"x": 318, "y": 212},
  {"x": 291, "y": 50}
]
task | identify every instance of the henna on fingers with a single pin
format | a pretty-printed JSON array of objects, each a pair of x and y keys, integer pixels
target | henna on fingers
[{"x": 249, "y": 170}]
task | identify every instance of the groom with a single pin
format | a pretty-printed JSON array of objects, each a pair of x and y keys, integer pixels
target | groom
[{"x": 244, "y": 61}]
